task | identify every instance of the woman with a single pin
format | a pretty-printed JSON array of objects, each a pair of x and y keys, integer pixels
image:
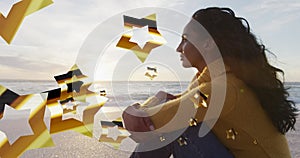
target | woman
[{"x": 255, "y": 114}]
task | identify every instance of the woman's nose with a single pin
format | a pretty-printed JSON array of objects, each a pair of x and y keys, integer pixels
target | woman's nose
[{"x": 179, "y": 48}]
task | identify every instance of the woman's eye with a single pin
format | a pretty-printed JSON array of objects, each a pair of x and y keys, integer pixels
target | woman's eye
[{"x": 184, "y": 38}]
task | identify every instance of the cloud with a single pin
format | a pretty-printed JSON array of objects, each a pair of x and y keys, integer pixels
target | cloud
[
  {"x": 52, "y": 37},
  {"x": 272, "y": 15},
  {"x": 276, "y": 6},
  {"x": 26, "y": 64},
  {"x": 13, "y": 67},
  {"x": 278, "y": 23}
]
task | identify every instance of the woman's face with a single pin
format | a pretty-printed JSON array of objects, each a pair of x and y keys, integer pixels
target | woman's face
[{"x": 189, "y": 54}]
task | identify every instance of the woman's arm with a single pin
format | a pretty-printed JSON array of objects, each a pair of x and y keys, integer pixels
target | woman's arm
[
  {"x": 162, "y": 97},
  {"x": 175, "y": 114},
  {"x": 159, "y": 98}
]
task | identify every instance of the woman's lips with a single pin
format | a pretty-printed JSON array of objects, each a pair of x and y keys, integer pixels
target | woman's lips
[{"x": 182, "y": 57}]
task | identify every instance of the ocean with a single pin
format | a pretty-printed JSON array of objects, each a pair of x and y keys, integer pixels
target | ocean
[
  {"x": 125, "y": 93},
  {"x": 294, "y": 91}
]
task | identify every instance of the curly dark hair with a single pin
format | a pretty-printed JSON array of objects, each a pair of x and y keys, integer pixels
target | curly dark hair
[{"x": 247, "y": 60}]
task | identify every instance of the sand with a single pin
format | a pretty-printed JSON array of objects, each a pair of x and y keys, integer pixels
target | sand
[{"x": 72, "y": 145}]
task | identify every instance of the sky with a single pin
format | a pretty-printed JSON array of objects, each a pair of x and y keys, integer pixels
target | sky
[{"x": 49, "y": 42}]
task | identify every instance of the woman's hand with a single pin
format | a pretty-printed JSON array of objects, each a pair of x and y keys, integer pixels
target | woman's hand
[
  {"x": 164, "y": 96},
  {"x": 138, "y": 123}
]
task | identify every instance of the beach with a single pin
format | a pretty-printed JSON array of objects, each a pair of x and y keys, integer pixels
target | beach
[{"x": 73, "y": 145}]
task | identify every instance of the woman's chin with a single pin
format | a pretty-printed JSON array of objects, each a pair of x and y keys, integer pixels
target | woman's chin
[{"x": 186, "y": 65}]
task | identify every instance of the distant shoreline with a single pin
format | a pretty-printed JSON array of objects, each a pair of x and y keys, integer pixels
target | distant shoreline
[
  {"x": 28, "y": 80},
  {"x": 18, "y": 80}
]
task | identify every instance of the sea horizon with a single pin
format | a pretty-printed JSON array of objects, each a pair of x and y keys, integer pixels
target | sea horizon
[{"x": 48, "y": 80}]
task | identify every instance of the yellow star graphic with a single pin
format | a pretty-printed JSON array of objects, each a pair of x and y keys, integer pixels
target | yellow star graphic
[
  {"x": 127, "y": 41},
  {"x": 9, "y": 25},
  {"x": 231, "y": 134}
]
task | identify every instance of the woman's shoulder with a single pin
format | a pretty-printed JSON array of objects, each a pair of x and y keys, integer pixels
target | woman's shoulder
[{"x": 228, "y": 81}]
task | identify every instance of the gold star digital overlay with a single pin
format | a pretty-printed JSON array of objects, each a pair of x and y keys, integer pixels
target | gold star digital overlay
[
  {"x": 151, "y": 72},
  {"x": 9, "y": 25},
  {"x": 39, "y": 119},
  {"x": 41, "y": 136},
  {"x": 125, "y": 41}
]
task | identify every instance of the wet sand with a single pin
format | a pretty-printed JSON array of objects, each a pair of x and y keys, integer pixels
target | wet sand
[{"x": 73, "y": 145}]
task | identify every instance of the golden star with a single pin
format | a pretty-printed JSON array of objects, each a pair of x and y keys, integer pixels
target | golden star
[
  {"x": 9, "y": 25},
  {"x": 182, "y": 141},
  {"x": 127, "y": 41},
  {"x": 231, "y": 134},
  {"x": 193, "y": 122},
  {"x": 37, "y": 118}
]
